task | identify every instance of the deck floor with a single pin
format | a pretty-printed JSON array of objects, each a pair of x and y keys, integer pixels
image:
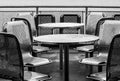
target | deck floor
[{"x": 78, "y": 72}]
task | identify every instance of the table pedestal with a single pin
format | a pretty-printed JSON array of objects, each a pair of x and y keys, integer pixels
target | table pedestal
[{"x": 66, "y": 62}]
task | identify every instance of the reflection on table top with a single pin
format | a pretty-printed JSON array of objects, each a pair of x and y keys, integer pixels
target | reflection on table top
[
  {"x": 61, "y": 25},
  {"x": 66, "y": 38}
]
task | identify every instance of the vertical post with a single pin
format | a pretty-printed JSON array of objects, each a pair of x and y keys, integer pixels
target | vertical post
[
  {"x": 61, "y": 51},
  {"x": 82, "y": 17},
  {"x": 86, "y": 17},
  {"x": 37, "y": 10},
  {"x": 61, "y": 57},
  {"x": 66, "y": 62},
  {"x": 37, "y": 29}
]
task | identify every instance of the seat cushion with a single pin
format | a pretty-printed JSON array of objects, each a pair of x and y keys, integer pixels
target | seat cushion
[
  {"x": 40, "y": 48},
  {"x": 87, "y": 48},
  {"x": 33, "y": 76},
  {"x": 35, "y": 61},
  {"x": 98, "y": 60},
  {"x": 98, "y": 76}
]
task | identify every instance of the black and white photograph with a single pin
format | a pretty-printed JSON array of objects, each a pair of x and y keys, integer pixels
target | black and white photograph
[{"x": 59, "y": 40}]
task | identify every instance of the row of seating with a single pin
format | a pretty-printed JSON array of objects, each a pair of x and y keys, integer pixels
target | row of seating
[
  {"x": 93, "y": 17},
  {"x": 106, "y": 29},
  {"x": 40, "y": 18},
  {"x": 48, "y": 18}
]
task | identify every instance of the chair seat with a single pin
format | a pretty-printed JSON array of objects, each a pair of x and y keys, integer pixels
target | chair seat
[
  {"x": 98, "y": 60},
  {"x": 87, "y": 48},
  {"x": 40, "y": 49},
  {"x": 35, "y": 61},
  {"x": 101, "y": 76},
  {"x": 33, "y": 76}
]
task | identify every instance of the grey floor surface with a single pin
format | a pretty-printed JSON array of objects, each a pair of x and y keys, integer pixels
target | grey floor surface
[{"x": 78, "y": 72}]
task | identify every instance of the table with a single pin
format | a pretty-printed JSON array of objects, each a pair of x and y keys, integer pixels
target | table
[
  {"x": 62, "y": 26},
  {"x": 66, "y": 40}
]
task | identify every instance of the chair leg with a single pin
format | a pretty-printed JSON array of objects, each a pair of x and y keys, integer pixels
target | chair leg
[
  {"x": 34, "y": 54},
  {"x": 61, "y": 57},
  {"x": 91, "y": 54},
  {"x": 99, "y": 68},
  {"x": 86, "y": 55},
  {"x": 90, "y": 69},
  {"x": 31, "y": 68}
]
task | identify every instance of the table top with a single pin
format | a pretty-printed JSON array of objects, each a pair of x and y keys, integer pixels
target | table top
[
  {"x": 62, "y": 25},
  {"x": 66, "y": 38}
]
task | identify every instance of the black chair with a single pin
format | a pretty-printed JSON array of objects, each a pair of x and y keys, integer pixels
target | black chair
[
  {"x": 70, "y": 18},
  {"x": 11, "y": 61},
  {"x": 107, "y": 31},
  {"x": 112, "y": 72},
  {"x": 74, "y": 18},
  {"x": 44, "y": 18},
  {"x": 35, "y": 45},
  {"x": 21, "y": 31}
]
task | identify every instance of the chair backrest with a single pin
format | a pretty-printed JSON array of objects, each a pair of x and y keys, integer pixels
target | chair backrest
[
  {"x": 99, "y": 23},
  {"x": 70, "y": 18},
  {"x": 11, "y": 62},
  {"x": 21, "y": 31},
  {"x": 44, "y": 18},
  {"x": 27, "y": 22},
  {"x": 117, "y": 16},
  {"x": 113, "y": 62},
  {"x": 93, "y": 18},
  {"x": 30, "y": 18},
  {"x": 75, "y": 18},
  {"x": 108, "y": 30}
]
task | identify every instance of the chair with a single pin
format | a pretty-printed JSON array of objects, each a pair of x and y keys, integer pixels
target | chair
[
  {"x": 107, "y": 31},
  {"x": 112, "y": 72},
  {"x": 30, "y": 18},
  {"x": 75, "y": 18},
  {"x": 11, "y": 61},
  {"x": 89, "y": 49},
  {"x": 95, "y": 19},
  {"x": 44, "y": 18},
  {"x": 31, "y": 23},
  {"x": 36, "y": 46},
  {"x": 21, "y": 31}
]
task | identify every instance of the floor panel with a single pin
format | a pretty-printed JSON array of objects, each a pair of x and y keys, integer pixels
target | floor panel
[{"x": 78, "y": 72}]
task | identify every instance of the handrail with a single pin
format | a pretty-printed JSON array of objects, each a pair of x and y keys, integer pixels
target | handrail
[{"x": 21, "y": 6}]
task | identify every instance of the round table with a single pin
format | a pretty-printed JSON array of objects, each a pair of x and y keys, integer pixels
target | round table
[
  {"x": 66, "y": 40},
  {"x": 62, "y": 26}
]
